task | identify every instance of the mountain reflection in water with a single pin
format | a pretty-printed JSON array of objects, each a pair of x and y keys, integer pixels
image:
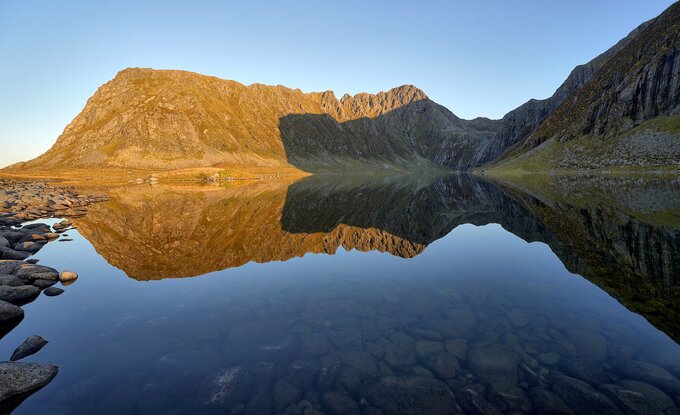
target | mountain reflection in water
[
  {"x": 368, "y": 295},
  {"x": 623, "y": 234}
]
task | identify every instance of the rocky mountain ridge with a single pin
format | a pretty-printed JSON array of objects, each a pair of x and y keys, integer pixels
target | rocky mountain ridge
[{"x": 622, "y": 109}]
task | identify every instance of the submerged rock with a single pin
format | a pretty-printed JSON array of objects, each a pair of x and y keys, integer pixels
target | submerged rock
[
  {"x": 633, "y": 402},
  {"x": 651, "y": 373},
  {"x": 547, "y": 403},
  {"x": 336, "y": 402},
  {"x": 284, "y": 394},
  {"x": 444, "y": 365},
  {"x": 30, "y": 346},
  {"x": 225, "y": 387},
  {"x": 582, "y": 398},
  {"x": 474, "y": 403},
  {"x": 652, "y": 392},
  {"x": 495, "y": 365},
  {"x": 411, "y": 395},
  {"x": 400, "y": 350}
]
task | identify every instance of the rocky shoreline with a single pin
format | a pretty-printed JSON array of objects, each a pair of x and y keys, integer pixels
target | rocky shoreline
[{"x": 22, "y": 280}]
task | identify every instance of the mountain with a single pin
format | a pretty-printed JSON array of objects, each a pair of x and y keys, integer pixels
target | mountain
[
  {"x": 622, "y": 111},
  {"x": 167, "y": 119}
]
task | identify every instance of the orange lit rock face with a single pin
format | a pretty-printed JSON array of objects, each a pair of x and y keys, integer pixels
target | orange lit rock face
[
  {"x": 153, "y": 233},
  {"x": 168, "y": 119}
]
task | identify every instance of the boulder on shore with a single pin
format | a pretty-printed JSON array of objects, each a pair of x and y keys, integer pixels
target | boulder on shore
[{"x": 18, "y": 380}]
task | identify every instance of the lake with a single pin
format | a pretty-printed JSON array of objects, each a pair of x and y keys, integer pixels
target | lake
[{"x": 367, "y": 295}]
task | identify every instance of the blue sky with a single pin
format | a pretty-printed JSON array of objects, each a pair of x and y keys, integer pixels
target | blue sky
[{"x": 479, "y": 58}]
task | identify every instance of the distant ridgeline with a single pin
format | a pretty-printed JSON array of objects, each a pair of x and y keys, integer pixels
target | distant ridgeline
[{"x": 622, "y": 109}]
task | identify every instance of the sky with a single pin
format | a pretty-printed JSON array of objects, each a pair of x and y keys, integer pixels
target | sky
[{"x": 480, "y": 58}]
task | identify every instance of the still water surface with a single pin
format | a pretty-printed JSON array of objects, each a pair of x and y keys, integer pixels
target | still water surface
[{"x": 391, "y": 295}]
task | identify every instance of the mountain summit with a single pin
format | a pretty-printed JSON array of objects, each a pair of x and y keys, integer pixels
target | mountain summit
[
  {"x": 166, "y": 119},
  {"x": 620, "y": 110}
]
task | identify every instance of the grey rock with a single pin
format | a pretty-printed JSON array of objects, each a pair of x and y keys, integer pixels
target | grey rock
[
  {"x": 9, "y": 266},
  {"x": 28, "y": 246},
  {"x": 4, "y": 242},
  {"x": 582, "y": 398},
  {"x": 411, "y": 395},
  {"x": 42, "y": 284},
  {"x": 11, "y": 280},
  {"x": 10, "y": 312},
  {"x": 38, "y": 238},
  {"x": 8, "y": 253},
  {"x": 53, "y": 291},
  {"x": 338, "y": 403},
  {"x": 12, "y": 236},
  {"x": 18, "y": 294},
  {"x": 19, "y": 379},
  {"x": 30, "y": 346},
  {"x": 36, "y": 272},
  {"x": 495, "y": 365}
]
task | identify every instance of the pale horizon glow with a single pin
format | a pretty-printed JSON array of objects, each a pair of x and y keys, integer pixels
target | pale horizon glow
[{"x": 478, "y": 60}]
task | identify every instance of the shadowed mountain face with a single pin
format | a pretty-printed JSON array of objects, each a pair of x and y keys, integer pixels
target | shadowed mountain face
[{"x": 624, "y": 239}]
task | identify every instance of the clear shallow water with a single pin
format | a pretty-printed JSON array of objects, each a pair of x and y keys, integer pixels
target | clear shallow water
[{"x": 457, "y": 310}]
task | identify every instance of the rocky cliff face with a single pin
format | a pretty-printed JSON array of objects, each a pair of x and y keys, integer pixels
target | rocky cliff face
[
  {"x": 628, "y": 107},
  {"x": 165, "y": 119},
  {"x": 173, "y": 119},
  {"x": 519, "y": 123}
]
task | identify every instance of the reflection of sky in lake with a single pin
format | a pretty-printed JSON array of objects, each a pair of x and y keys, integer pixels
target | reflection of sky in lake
[{"x": 124, "y": 345}]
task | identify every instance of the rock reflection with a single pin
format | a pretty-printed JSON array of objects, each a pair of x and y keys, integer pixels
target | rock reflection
[{"x": 621, "y": 234}]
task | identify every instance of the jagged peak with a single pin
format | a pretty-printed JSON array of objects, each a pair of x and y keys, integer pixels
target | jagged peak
[{"x": 408, "y": 90}]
